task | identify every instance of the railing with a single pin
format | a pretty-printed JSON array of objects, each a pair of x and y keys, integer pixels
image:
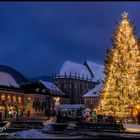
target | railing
[{"x": 75, "y": 77}]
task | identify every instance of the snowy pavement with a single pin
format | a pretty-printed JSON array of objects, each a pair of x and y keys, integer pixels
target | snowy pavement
[
  {"x": 77, "y": 135},
  {"x": 132, "y": 128},
  {"x": 132, "y": 131}
]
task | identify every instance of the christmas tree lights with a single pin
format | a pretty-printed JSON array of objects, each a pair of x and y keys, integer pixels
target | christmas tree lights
[{"x": 122, "y": 69}]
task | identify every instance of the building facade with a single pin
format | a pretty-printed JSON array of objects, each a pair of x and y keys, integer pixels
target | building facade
[
  {"x": 19, "y": 97},
  {"x": 76, "y": 79},
  {"x": 92, "y": 97}
]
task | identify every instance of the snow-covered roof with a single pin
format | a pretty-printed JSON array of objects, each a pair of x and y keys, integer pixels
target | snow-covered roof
[
  {"x": 85, "y": 71},
  {"x": 17, "y": 76},
  {"x": 97, "y": 70},
  {"x": 95, "y": 91},
  {"x": 71, "y": 106},
  {"x": 75, "y": 69},
  {"x": 51, "y": 87},
  {"x": 7, "y": 80}
]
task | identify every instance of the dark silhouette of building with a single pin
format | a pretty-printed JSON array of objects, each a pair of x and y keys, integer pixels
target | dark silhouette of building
[{"x": 76, "y": 79}]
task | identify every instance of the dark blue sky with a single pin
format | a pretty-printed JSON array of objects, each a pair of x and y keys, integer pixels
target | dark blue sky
[{"x": 37, "y": 37}]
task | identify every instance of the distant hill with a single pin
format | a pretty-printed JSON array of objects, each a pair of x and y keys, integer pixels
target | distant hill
[{"x": 44, "y": 78}]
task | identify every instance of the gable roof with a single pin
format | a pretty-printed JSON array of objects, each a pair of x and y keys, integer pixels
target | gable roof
[
  {"x": 95, "y": 91},
  {"x": 75, "y": 69},
  {"x": 17, "y": 76},
  {"x": 52, "y": 87},
  {"x": 96, "y": 69},
  {"x": 7, "y": 80}
]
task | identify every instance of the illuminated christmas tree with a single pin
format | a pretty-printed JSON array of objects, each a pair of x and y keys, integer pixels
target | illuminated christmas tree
[{"x": 122, "y": 69}]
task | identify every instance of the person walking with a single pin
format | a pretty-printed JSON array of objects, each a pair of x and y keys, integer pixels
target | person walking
[{"x": 94, "y": 116}]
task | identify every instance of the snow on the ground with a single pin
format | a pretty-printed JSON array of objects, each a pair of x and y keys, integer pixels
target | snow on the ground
[
  {"x": 48, "y": 124},
  {"x": 32, "y": 133},
  {"x": 132, "y": 127},
  {"x": 48, "y": 127},
  {"x": 50, "y": 121}
]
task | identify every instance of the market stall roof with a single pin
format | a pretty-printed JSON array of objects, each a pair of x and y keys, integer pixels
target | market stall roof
[{"x": 71, "y": 106}]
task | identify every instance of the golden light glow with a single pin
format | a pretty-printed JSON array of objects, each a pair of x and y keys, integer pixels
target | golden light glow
[
  {"x": 11, "y": 108},
  {"x": 9, "y": 98},
  {"x": 122, "y": 65},
  {"x": 14, "y": 99},
  {"x": 57, "y": 101},
  {"x": 28, "y": 99},
  {"x": 19, "y": 99},
  {"x": 2, "y": 108},
  {"x": 138, "y": 107},
  {"x": 3, "y": 97}
]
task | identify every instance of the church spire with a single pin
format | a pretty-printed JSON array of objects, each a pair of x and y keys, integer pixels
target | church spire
[{"x": 85, "y": 59}]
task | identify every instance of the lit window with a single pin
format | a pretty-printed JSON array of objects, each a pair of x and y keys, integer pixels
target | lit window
[
  {"x": 57, "y": 101},
  {"x": 9, "y": 98},
  {"x": 3, "y": 97},
  {"x": 14, "y": 99},
  {"x": 19, "y": 99},
  {"x": 28, "y": 99}
]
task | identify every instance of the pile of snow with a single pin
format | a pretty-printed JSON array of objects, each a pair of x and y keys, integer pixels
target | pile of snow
[
  {"x": 7, "y": 80},
  {"x": 95, "y": 92},
  {"x": 32, "y": 133},
  {"x": 50, "y": 121},
  {"x": 97, "y": 70},
  {"x": 75, "y": 69},
  {"x": 48, "y": 127}
]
